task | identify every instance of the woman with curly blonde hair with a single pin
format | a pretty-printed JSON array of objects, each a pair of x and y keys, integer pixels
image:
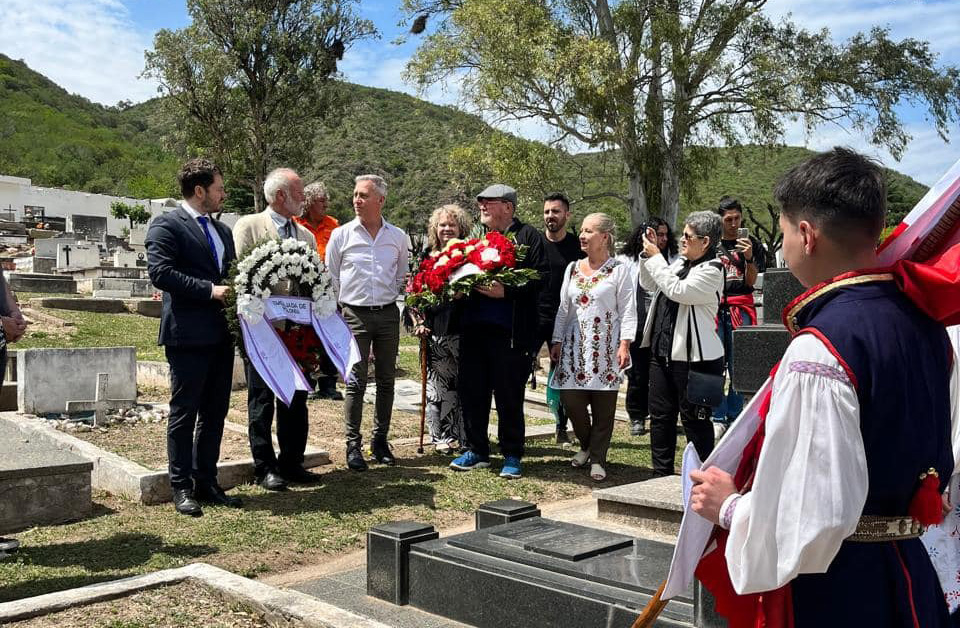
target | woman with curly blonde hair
[{"x": 439, "y": 326}]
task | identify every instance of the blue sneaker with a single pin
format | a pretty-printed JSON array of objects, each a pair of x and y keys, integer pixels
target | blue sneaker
[
  {"x": 469, "y": 461},
  {"x": 511, "y": 467}
]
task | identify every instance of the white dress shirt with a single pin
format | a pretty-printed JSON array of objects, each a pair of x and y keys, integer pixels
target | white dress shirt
[
  {"x": 365, "y": 270},
  {"x": 217, "y": 242},
  {"x": 280, "y": 222}
]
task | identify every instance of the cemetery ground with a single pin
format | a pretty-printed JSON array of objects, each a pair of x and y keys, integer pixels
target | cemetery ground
[{"x": 274, "y": 533}]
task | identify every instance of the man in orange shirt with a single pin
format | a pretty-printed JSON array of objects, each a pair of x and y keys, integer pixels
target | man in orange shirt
[{"x": 315, "y": 220}]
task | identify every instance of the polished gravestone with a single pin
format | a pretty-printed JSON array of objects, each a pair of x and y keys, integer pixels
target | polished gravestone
[
  {"x": 539, "y": 572},
  {"x": 757, "y": 348}
]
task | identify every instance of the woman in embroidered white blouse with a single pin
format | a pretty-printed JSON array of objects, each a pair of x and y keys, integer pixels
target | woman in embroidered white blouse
[{"x": 595, "y": 325}]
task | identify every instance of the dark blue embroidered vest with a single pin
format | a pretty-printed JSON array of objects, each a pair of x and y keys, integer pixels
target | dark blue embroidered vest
[{"x": 901, "y": 360}]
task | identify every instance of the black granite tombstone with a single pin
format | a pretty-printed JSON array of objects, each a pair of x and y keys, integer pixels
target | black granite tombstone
[
  {"x": 387, "y": 547},
  {"x": 757, "y": 348},
  {"x": 504, "y": 511},
  {"x": 535, "y": 572}
]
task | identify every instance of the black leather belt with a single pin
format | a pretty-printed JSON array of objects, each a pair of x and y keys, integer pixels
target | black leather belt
[{"x": 368, "y": 308}]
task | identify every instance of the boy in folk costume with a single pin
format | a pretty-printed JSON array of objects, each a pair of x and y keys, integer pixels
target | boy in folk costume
[{"x": 819, "y": 525}]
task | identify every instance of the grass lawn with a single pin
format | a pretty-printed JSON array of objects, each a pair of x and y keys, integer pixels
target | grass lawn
[
  {"x": 276, "y": 532},
  {"x": 91, "y": 329}
]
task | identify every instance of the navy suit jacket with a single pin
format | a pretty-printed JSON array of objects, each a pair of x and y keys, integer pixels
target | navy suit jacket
[{"x": 180, "y": 263}]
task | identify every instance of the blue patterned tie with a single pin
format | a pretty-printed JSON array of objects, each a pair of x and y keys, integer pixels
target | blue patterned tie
[{"x": 205, "y": 222}]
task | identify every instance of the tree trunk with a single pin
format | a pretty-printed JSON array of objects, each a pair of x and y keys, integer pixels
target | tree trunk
[
  {"x": 669, "y": 192},
  {"x": 258, "y": 179},
  {"x": 639, "y": 213}
]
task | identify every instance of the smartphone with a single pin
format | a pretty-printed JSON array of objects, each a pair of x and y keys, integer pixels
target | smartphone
[{"x": 742, "y": 233}]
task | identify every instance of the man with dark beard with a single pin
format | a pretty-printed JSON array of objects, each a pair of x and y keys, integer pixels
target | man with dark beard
[
  {"x": 561, "y": 247},
  {"x": 188, "y": 257}
]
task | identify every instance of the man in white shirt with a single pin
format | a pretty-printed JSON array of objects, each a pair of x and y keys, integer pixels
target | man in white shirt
[{"x": 367, "y": 259}]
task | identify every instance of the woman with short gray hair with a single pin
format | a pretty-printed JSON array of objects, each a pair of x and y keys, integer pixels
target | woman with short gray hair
[{"x": 680, "y": 330}]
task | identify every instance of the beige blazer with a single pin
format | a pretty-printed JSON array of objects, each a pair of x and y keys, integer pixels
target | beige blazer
[{"x": 254, "y": 229}]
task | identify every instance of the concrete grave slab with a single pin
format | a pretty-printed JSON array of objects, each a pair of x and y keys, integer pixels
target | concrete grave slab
[
  {"x": 39, "y": 483},
  {"x": 279, "y": 607},
  {"x": 48, "y": 378},
  {"x": 653, "y": 505},
  {"x": 49, "y": 246},
  {"x": 102, "y": 306},
  {"x": 101, "y": 403},
  {"x": 78, "y": 255},
  {"x": 119, "y": 476},
  {"x": 36, "y": 282}
]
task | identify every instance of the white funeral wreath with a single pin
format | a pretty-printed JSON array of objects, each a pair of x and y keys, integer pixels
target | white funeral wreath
[{"x": 277, "y": 260}]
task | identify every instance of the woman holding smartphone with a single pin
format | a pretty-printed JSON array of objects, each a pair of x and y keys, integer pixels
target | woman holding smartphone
[{"x": 680, "y": 331}]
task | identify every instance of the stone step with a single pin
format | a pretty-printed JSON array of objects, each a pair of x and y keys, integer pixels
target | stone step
[{"x": 654, "y": 506}]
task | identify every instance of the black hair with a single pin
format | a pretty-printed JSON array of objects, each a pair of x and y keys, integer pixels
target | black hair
[
  {"x": 196, "y": 172},
  {"x": 727, "y": 203},
  {"x": 557, "y": 196},
  {"x": 840, "y": 191},
  {"x": 633, "y": 247}
]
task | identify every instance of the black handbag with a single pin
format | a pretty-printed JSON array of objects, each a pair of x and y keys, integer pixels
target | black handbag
[{"x": 705, "y": 378}]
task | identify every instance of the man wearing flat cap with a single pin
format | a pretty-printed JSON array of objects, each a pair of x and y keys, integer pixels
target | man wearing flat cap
[{"x": 499, "y": 336}]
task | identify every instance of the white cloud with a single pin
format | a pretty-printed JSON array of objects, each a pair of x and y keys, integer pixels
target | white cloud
[
  {"x": 88, "y": 47},
  {"x": 927, "y": 156}
]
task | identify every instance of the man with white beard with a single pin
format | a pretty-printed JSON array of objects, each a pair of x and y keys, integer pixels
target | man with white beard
[{"x": 283, "y": 190}]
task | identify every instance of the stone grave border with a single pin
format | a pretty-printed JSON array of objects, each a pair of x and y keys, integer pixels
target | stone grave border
[
  {"x": 277, "y": 606},
  {"x": 119, "y": 476}
]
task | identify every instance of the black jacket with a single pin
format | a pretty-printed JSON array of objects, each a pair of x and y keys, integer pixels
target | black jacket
[
  {"x": 180, "y": 263},
  {"x": 524, "y": 300}
]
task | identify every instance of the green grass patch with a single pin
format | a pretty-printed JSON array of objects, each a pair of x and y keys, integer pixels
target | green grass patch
[
  {"x": 276, "y": 532},
  {"x": 91, "y": 329}
]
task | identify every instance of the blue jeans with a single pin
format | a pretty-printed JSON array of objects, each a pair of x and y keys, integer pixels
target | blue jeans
[{"x": 732, "y": 404}]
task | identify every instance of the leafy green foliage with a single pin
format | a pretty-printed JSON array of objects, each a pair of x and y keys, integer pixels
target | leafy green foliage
[
  {"x": 137, "y": 214},
  {"x": 663, "y": 80},
  {"x": 429, "y": 154},
  {"x": 246, "y": 80},
  {"x": 61, "y": 140}
]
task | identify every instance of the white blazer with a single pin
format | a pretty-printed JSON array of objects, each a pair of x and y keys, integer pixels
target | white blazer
[{"x": 698, "y": 292}]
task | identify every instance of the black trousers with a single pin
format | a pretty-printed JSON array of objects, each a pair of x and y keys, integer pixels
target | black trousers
[
  {"x": 200, "y": 381},
  {"x": 489, "y": 367},
  {"x": 668, "y": 396},
  {"x": 638, "y": 383},
  {"x": 292, "y": 426}
]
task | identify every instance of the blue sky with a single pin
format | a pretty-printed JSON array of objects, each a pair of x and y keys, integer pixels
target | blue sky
[{"x": 95, "y": 48}]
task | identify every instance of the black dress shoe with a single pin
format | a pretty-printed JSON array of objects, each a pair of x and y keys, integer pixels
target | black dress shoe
[
  {"x": 215, "y": 495},
  {"x": 382, "y": 454},
  {"x": 300, "y": 475},
  {"x": 272, "y": 482},
  {"x": 355, "y": 460},
  {"x": 185, "y": 503}
]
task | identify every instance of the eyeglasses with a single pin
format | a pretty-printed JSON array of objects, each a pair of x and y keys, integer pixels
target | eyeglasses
[
  {"x": 489, "y": 201},
  {"x": 691, "y": 236}
]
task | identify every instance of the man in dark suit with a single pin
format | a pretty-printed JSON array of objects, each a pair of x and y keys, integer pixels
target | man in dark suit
[{"x": 188, "y": 254}]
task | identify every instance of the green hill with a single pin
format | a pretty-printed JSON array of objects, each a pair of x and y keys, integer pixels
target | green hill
[
  {"x": 62, "y": 140},
  {"x": 65, "y": 141}
]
